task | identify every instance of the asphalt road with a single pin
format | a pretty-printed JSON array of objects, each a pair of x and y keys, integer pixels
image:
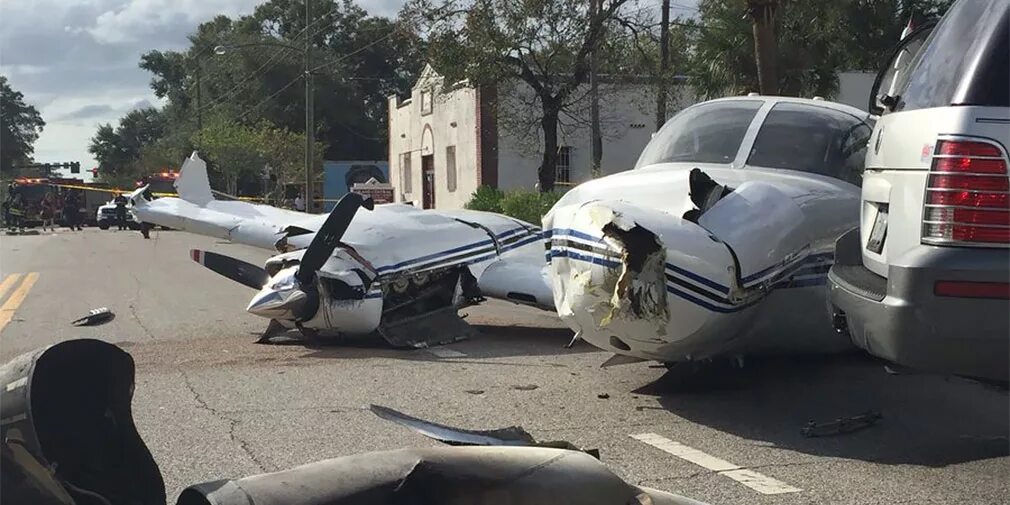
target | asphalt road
[{"x": 211, "y": 404}]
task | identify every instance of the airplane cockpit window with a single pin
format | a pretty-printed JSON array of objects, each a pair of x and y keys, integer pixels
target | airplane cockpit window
[
  {"x": 812, "y": 139},
  {"x": 708, "y": 133}
]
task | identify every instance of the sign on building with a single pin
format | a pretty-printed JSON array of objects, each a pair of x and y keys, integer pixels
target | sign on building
[{"x": 380, "y": 192}]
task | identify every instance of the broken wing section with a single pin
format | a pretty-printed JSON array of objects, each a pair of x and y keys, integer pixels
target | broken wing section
[
  {"x": 443, "y": 475},
  {"x": 196, "y": 211}
]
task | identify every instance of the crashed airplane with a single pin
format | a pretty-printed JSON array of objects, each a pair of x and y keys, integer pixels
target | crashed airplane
[
  {"x": 391, "y": 269},
  {"x": 718, "y": 242}
]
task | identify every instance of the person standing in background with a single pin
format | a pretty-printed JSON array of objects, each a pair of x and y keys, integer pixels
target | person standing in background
[
  {"x": 48, "y": 214},
  {"x": 120, "y": 201},
  {"x": 72, "y": 211}
]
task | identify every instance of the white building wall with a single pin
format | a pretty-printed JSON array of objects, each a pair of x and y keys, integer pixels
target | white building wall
[
  {"x": 627, "y": 117},
  {"x": 452, "y": 121}
]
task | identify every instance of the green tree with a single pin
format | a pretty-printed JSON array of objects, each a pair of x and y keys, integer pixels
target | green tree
[
  {"x": 20, "y": 126},
  {"x": 545, "y": 44},
  {"x": 237, "y": 154},
  {"x": 360, "y": 60},
  {"x": 814, "y": 40},
  {"x": 118, "y": 150}
]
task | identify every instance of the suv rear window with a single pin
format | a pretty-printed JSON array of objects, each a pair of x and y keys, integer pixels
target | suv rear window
[
  {"x": 965, "y": 61},
  {"x": 812, "y": 139}
]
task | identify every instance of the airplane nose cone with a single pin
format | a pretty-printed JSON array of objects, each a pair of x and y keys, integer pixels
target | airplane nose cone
[{"x": 276, "y": 304}]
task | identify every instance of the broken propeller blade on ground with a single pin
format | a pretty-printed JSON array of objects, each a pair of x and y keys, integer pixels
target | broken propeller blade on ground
[
  {"x": 95, "y": 317},
  {"x": 239, "y": 271},
  {"x": 513, "y": 435}
]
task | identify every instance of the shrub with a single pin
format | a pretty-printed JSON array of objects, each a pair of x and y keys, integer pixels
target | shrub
[
  {"x": 487, "y": 199},
  {"x": 523, "y": 204}
]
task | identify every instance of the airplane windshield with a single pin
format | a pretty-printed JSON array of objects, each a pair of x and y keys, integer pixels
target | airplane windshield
[
  {"x": 810, "y": 139},
  {"x": 708, "y": 133}
]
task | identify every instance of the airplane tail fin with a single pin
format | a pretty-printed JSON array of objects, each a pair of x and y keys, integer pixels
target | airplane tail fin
[{"x": 193, "y": 184}]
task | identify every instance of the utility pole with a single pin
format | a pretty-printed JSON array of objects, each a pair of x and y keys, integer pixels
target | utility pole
[
  {"x": 594, "y": 91},
  {"x": 199, "y": 103},
  {"x": 664, "y": 65},
  {"x": 763, "y": 14},
  {"x": 309, "y": 122}
]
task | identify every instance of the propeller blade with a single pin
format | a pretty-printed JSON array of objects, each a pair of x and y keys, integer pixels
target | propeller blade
[
  {"x": 239, "y": 271},
  {"x": 329, "y": 235}
]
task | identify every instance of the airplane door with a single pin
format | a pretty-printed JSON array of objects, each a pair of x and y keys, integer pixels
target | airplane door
[{"x": 428, "y": 181}]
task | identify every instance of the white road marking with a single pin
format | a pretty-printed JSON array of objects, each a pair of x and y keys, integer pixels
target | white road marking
[
  {"x": 443, "y": 352},
  {"x": 754, "y": 480}
]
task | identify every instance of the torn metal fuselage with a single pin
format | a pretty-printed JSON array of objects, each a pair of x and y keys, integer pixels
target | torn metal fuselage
[{"x": 702, "y": 264}]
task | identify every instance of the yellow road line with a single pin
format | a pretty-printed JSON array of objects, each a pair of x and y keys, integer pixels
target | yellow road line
[
  {"x": 17, "y": 297},
  {"x": 5, "y": 286}
]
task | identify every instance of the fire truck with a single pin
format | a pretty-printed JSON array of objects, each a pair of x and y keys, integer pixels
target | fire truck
[{"x": 160, "y": 182}]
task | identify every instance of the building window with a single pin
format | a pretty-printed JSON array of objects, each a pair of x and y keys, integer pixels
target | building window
[
  {"x": 426, "y": 102},
  {"x": 406, "y": 176},
  {"x": 563, "y": 168},
  {"x": 450, "y": 168}
]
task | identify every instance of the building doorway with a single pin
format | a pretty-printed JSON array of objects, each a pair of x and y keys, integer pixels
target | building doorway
[{"x": 428, "y": 181}]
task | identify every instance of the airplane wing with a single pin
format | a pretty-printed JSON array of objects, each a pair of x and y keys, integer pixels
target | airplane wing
[{"x": 505, "y": 255}]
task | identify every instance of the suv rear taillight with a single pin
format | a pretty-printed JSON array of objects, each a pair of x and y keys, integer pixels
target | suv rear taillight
[{"x": 967, "y": 195}]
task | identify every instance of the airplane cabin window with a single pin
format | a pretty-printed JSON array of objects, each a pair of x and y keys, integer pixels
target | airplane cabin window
[
  {"x": 812, "y": 139},
  {"x": 708, "y": 133}
]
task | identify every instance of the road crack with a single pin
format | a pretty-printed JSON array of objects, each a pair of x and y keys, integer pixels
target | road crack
[{"x": 233, "y": 423}]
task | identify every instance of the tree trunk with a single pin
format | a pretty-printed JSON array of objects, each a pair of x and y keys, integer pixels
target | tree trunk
[
  {"x": 763, "y": 14},
  {"x": 594, "y": 90},
  {"x": 664, "y": 65},
  {"x": 548, "y": 167}
]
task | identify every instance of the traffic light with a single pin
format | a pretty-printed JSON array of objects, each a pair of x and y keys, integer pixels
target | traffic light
[
  {"x": 75, "y": 167},
  {"x": 94, "y": 172}
]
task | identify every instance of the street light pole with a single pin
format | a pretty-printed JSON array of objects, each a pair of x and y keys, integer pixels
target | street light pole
[{"x": 309, "y": 121}]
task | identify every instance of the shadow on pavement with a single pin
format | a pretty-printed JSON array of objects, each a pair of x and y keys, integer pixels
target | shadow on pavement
[
  {"x": 927, "y": 420},
  {"x": 490, "y": 342}
]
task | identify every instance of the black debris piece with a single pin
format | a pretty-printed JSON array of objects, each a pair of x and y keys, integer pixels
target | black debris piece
[
  {"x": 95, "y": 317},
  {"x": 513, "y": 435},
  {"x": 841, "y": 425}
]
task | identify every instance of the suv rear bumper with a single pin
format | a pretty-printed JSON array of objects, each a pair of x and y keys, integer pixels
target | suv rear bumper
[{"x": 900, "y": 319}]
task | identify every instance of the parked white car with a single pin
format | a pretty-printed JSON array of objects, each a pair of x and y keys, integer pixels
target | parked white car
[
  {"x": 924, "y": 281},
  {"x": 106, "y": 217}
]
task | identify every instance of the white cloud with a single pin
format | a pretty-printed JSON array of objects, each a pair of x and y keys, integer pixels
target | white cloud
[
  {"x": 76, "y": 60},
  {"x": 139, "y": 19}
]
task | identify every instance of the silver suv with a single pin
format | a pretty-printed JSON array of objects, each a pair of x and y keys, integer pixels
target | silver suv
[{"x": 925, "y": 280}]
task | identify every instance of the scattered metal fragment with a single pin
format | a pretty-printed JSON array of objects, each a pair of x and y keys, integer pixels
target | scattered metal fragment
[
  {"x": 526, "y": 387},
  {"x": 475, "y": 391},
  {"x": 603, "y": 396},
  {"x": 513, "y": 435},
  {"x": 620, "y": 359},
  {"x": 841, "y": 425},
  {"x": 95, "y": 317}
]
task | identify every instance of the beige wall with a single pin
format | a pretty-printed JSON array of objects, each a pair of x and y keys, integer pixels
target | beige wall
[{"x": 452, "y": 121}]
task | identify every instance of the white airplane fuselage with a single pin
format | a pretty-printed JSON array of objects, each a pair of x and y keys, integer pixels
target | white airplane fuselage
[{"x": 632, "y": 276}]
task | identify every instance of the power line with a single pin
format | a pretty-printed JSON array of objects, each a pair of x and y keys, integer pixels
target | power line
[
  {"x": 338, "y": 60},
  {"x": 259, "y": 71}
]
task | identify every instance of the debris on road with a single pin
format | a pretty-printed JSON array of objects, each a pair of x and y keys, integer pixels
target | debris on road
[
  {"x": 513, "y": 435},
  {"x": 475, "y": 391},
  {"x": 841, "y": 425},
  {"x": 95, "y": 317},
  {"x": 526, "y": 387},
  {"x": 603, "y": 396}
]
